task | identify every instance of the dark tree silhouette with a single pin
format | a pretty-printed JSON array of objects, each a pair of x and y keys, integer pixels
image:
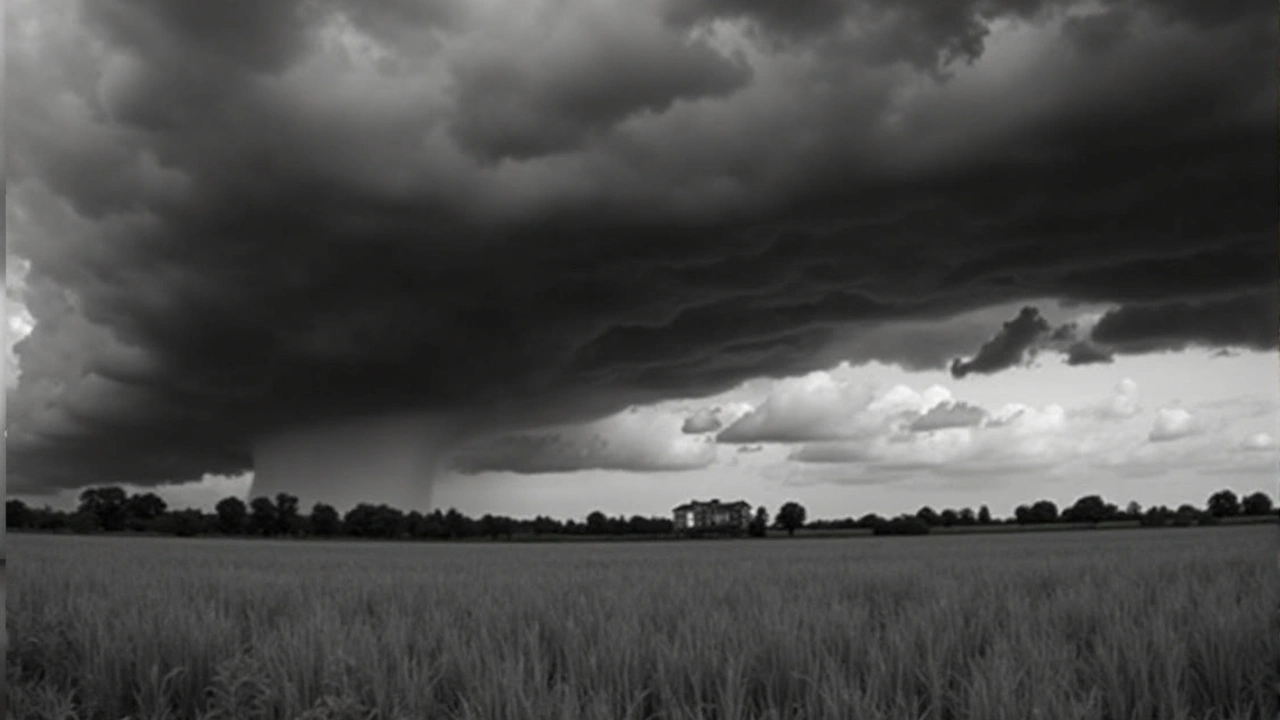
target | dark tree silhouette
[
  {"x": 107, "y": 505},
  {"x": 984, "y": 515},
  {"x": 145, "y": 507},
  {"x": 1090, "y": 509},
  {"x": 17, "y": 514},
  {"x": 597, "y": 523},
  {"x": 232, "y": 515},
  {"x": 928, "y": 516},
  {"x": 325, "y": 521},
  {"x": 760, "y": 523},
  {"x": 286, "y": 514},
  {"x": 1258, "y": 503},
  {"x": 790, "y": 517},
  {"x": 262, "y": 516},
  {"x": 1223, "y": 504}
]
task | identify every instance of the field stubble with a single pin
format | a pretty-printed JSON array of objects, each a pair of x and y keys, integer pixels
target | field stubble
[{"x": 1159, "y": 624}]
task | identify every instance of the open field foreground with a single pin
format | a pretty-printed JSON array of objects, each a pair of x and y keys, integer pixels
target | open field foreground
[{"x": 1166, "y": 624}]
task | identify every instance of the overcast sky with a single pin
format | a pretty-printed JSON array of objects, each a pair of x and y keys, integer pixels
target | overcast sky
[{"x": 546, "y": 257}]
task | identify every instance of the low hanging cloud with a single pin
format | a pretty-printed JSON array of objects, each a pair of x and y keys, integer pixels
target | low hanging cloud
[
  {"x": 242, "y": 218},
  {"x": 1013, "y": 346},
  {"x": 1173, "y": 424},
  {"x": 1245, "y": 321},
  {"x": 637, "y": 440}
]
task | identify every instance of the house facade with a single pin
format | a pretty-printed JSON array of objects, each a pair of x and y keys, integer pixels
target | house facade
[{"x": 697, "y": 516}]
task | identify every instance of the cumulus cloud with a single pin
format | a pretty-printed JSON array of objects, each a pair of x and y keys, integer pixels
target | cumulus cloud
[
  {"x": 243, "y": 217},
  {"x": 1173, "y": 424},
  {"x": 1014, "y": 345},
  {"x": 948, "y": 415},
  {"x": 704, "y": 420},
  {"x": 828, "y": 406},
  {"x": 636, "y": 440}
]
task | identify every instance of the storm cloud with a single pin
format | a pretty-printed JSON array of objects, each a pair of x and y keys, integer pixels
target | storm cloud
[
  {"x": 1014, "y": 345},
  {"x": 244, "y": 217}
]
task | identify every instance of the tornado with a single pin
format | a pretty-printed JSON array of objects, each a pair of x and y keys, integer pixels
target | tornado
[{"x": 392, "y": 459}]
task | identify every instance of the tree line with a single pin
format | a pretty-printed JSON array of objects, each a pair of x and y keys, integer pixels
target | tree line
[{"x": 110, "y": 509}]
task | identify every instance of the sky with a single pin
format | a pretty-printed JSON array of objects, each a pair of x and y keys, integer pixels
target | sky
[{"x": 549, "y": 257}]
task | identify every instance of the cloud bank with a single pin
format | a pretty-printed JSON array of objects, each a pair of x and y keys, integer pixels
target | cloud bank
[{"x": 244, "y": 217}]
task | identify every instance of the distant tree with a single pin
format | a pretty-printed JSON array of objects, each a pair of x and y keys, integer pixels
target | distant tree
[
  {"x": 543, "y": 525},
  {"x": 1090, "y": 509},
  {"x": 286, "y": 514},
  {"x": 948, "y": 518},
  {"x": 456, "y": 524},
  {"x": 1186, "y": 514},
  {"x": 1022, "y": 514},
  {"x": 968, "y": 517},
  {"x": 145, "y": 507},
  {"x": 869, "y": 521},
  {"x": 902, "y": 525},
  {"x": 1258, "y": 503},
  {"x": 790, "y": 517},
  {"x": 83, "y": 522},
  {"x": 928, "y": 516},
  {"x": 1156, "y": 516},
  {"x": 1044, "y": 511},
  {"x": 597, "y": 523},
  {"x": 984, "y": 515},
  {"x": 18, "y": 515},
  {"x": 1133, "y": 510},
  {"x": 325, "y": 520},
  {"x": 107, "y": 504},
  {"x": 1223, "y": 504},
  {"x": 380, "y": 521},
  {"x": 760, "y": 523},
  {"x": 183, "y": 523},
  {"x": 232, "y": 514},
  {"x": 262, "y": 516}
]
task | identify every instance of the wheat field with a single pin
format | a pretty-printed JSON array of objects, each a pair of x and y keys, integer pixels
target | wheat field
[{"x": 1150, "y": 624}]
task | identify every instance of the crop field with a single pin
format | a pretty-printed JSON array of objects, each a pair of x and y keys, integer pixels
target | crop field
[{"x": 1132, "y": 624}]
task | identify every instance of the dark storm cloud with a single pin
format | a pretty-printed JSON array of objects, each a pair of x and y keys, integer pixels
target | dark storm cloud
[
  {"x": 705, "y": 420},
  {"x": 1083, "y": 352},
  {"x": 246, "y": 215},
  {"x": 1246, "y": 321},
  {"x": 948, "y": 415},
  {"x": 1011, "y": 347}
]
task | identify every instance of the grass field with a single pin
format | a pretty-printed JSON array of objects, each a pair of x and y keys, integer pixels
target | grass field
[{"x": 1159, "y": 624}]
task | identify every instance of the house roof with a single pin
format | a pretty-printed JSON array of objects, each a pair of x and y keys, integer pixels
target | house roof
[{"x": 714, "y": 504}]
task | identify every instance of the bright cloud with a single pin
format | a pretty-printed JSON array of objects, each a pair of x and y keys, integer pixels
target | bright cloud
[{"x": 1173, "y": 424}]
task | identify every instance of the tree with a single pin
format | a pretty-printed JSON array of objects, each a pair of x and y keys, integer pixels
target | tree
[
  {"x": 1258, "y": 503},
  {"x": 107, "y": 504},
  {"x": 597, "y": 523},
  {"x": 1044, "y": 511},
  {"x": 456, "y": 524},
  {"x": 984, "y": 515},
  {"x": 1090, "y": 509},
  {"x": 927, "y": 515},
  {"x": 948, "y": 517},
  {"x": 17, "y": 514},
  {"x": 760, "y": 523},
  {"x": 286, "y": 513},
  {"x": 1133, "y": 510},
  {"x": 262, "y": 516},
  {"x": 1186, "y": 514},
  {"x": 790, "y": 517},
  {"x": 232, "y": 514},
  {"x": 325, "y": 521},
  {"x": 967, "y": 517},
  {"x": 1223, "y": 504},
  {"x": 145, "y": 507}
]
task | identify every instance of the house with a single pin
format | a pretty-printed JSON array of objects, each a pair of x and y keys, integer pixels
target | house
[{"x": 695, "y": 516}]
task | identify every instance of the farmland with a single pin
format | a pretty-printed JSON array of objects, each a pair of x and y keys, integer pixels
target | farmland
[{"x": 1177, "y": 623}]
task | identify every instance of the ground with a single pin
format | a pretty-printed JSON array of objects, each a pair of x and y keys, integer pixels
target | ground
[{"x": 1169, "y": 623}]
